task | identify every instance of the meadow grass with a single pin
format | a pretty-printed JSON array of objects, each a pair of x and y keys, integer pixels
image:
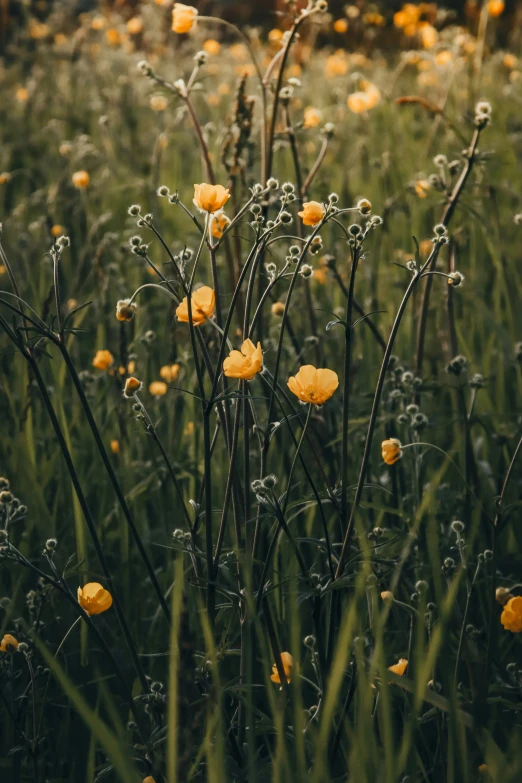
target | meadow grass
[{"x": 264, "y": 559}]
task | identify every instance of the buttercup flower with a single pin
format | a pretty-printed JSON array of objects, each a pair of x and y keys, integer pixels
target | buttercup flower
[
  {"x": 5, "y": 176},
  {"x": 158, "y": 103},
  {"x": 340, "y": 25},
  {"x": 183, "y": 18},
  {"x": 219, "y": 223},
  {"x": 170, "y": 372},
  {"x": 288, "y": 662},
  {"x": 115, "y": 446},
  {"x": 203, "y": 303},
  {"x": 312, "y": 213},
  {"x": 113, "y": 36},
  {"x": 134, "y": 25},
  {"x": 8, "y": 643},
  {"x": 387, "y": 596},
  {"x": 245, "y": 363},
  {"x": 278, "y": 308},
  {"x": 132, "y": 385},
  {"x": 211, "y": 46},
  {"x": 210, "y": 198},
  {"x": 81, "y": 179},
  {"x": 399, "y": 667},
  {"x": 391, "y": 451},
  {"x": 312, "y": 117},
  {"x": 94, "y": 599},
  {"x": 57, "y": 230},
  {"x": 158, "y": 388},
  {"x": 495, "y": 7},
  {"x": 511, "y": 617},
  {"x": 312, "y": 385},
  {"x": 149, "y": 779},
  {"x": 125, "y": 311},
  {"x": 364, "y": 99},
  {"x": 22, "y": 95},
  {"x": 103, "y": 360}
]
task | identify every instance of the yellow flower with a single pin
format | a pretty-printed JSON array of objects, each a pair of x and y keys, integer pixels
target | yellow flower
[
  {"x": 340, "y": 25},
  {"x": 212, "y": 46},
  {"x": 103, "y": 360},
  {"x": 374, "y": 18},
  {"x": 336, "y": 64},
  {"x": 57, "y": 230},
  {"x": 210, "y": 198},
  {"x": 98, "y": 23},
  {"x": 94, "y": 599},
  {"x": 444, "y": 57},
  {"x": 428, "y": 34},
  {"x": 9, "y": 643},
  {"x": 312, "y": 385},
  {"x": 510, "y": 61},
  {"x": 60, "y": 39},
  {"x": 223, "y": 88},
  {"x": 115, "y": 446},
  {"x": 113, "y": 36},
  {"x": 387, "y": 596},
  {"x": 132, "y": 386},
  {"x": 203, "y": 303},
  {"x": 189, "y": 429},
  {"x": 149, "y": 778},
  {"x": 218, "y": 225},
  {"x": 4, "y": 177},
  {"x": 365, "y": 99},
  {"x": 170, "y": 372},
  {"x": 495, "y": 7},
  {"x": 399, "y": 667},
  {"x": 288, "y": 662},
  {"x": 158, "y": 103},
  {"x": 245, "y": 363},
  {"x": 278, "y": 308},
  {"x": 321, "y": 275},
  {"x": 422, "y": 186},
  {"x": 511, "y": 617},
  {"x": 391, "y": 451},
  {"x": 125, "y": 311},
  {"x": 312, "y": 117},
  {"x": 22, "y": 95},
  {"x": 312, "y": 214},
  {"x": 134, "y": 25},
  {"x": 275, "y": 36},
  {"x": 183, "y": 18},
  {"x": 81, "y": 179},
  {"x": 158, "y": 388}
]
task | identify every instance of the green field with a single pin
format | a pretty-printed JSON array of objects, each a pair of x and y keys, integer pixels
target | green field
[{"x": 305, "y": 575}]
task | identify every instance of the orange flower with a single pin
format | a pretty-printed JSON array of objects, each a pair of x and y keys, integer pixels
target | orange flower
[
  {"x": 212, "y": 46},
  {"x": 391, "y": 451},
  {"x": 340, "y": 25},
  {"x": 275, "y": 36},
  {"x": 125, "y": 311},
  {"x": 158, "y": 103},
  {"x": 81, "y": 179},
  {"x": 203, "y": 303},
  {"x": 158, "y": 388},
  {"x": 336, "y": 64},
  {"x": 278, "y": 308},
  {"x": 22, "y": 95},
  {"x": 210, "y": 198},
  {"x": 113, "y": 36},
  {"x": 510, "y": 61},
  {"x": 103, "y": 360},
  {"x": 495, "y": 7},
  {"x": 132, "y": 386},
  {"x": 312, "y": 385},
  {"x": 57, "y": 230},
  {"x": 511, "y": 617},
  {"x": 149, "y": 778},
  {"x": 170, "y": 372},
  {"x": 134, "y": 25},
  {"x": 399, "y": 667},
  {"x": 98, "y": 23},
  {"x": 245, "y": 363},
  {"x": 9, "y": 643},
  {"x": 288, "y": 662},
  {"x": 219, "y": 224},
  {"x": 387, "y": 596},
  {"x": 312, "y": 117},
  {"x": 312, "y": 214},
  {"x": 115, "y": 446},
  {"x": 183, "y": 18},
  {"x": 5, "y": 176},
  {"x": 365, "y": 99},
  {"x": 422, "y": 186},
  {"x": 429, "y": 35},
  {"x": 94, "y": 599}
]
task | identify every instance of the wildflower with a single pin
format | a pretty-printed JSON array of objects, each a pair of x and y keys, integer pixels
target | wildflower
[
  {"x": 125, "y": 311},
  {"x": 336, "y": 64},
  {"x": 203, "y": 302},
  {"x": 246, "y": 363},
  {"x": 364, "y": 100},
  {"x": 189, "y": 429},
  {"x": 103, "y": 360},
  {"x": 5, "y": 176},
  {"x": 149, "y": 778},
  {"x": 364, "y": 206},
  {"x": 421, "y": 187},
  {"x": 340, "y": 25},
  {"x": 115, "y": 446},
  {"x": 211, "y": 46},
  {"x": 495, "y": 7},
  {"x": 275, "y": 36},
  {"x": 183, "y": 18},
  {"x": 278, "y": 308},
  {"x": 391, "y": 451},
  {"x": 387, "y": 596},
  {"x": 132, "y": 387},
  {"x": 94, "y": 599},
  {"x": 312, "y": 214},
  {"x": 313, "y": 385},
  {"x": 502, "y": 595},
  {"x": 219, "y": 224},
  {"x": 170, "y": 372},
  {"x": 399, "y": 667},
  {"x": 312, "y": 117},
  {"x": 158, "y": 103},
  {"x": 57, "y": 230},
  {"x": 158, "y": 388},
  {"x": 511, "y": 617},
  {"x": 134, "y": 25},
  {"x": 98, "y": 23},
  {"x": 8, "y": 643},
  {"x": 288, "y": 662},
  {"x": 375, "y": 19},
  {"x": 210, "y": 198},
  {"x": 113, "y": 36},
  {"x": 455, "y": 279},
  {"x": 510, "y": 61},
  {"x": 22, "y": 95},
  {"x": 81, "y": 179}
]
